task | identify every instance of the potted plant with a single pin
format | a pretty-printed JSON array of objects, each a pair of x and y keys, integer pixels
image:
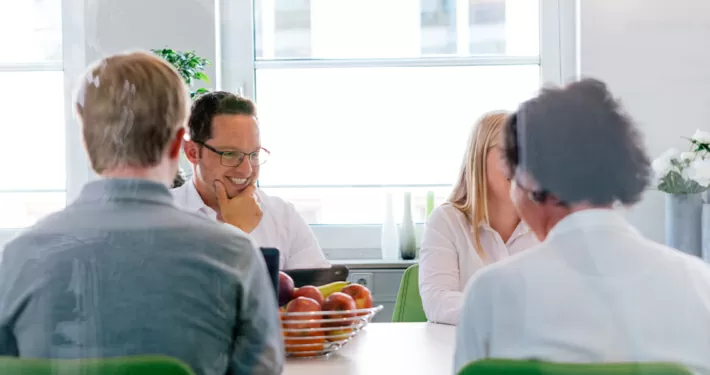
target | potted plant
[
  {"x": 685, "y": 177},
  {"x": 190, "y": 66},
  {"x": 192, "y": 69}
]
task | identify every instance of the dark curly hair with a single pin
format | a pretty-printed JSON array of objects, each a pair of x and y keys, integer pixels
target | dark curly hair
[
  {"x": 179, "y": 180},
  {"x": 579, "y": 145},
  {"x": 212, "y": 104}
]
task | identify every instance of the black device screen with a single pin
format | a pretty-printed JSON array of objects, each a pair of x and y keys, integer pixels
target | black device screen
[{"x": 271, "y": 257}]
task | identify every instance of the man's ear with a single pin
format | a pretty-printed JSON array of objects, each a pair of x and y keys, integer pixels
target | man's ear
[
  {"x": 192, "y": 151},
  {"x": 176, "y": 145}
]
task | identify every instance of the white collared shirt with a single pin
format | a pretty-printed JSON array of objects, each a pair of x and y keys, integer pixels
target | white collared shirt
[
  {"x": 595, "y": 290},
  {"x": 281, "y": 227},
  {"x": 448, "y": 258}
]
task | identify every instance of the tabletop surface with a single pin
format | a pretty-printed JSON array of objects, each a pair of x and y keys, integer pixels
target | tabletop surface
[{"x": 386, "y": 348}]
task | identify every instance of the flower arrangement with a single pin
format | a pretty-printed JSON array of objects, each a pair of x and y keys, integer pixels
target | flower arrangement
[{"x": 685, "y": 172}]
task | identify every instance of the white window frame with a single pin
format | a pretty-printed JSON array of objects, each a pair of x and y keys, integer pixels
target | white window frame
[
  {"x": 78, "y": 170},
  {"x": 236, "y": 68}
]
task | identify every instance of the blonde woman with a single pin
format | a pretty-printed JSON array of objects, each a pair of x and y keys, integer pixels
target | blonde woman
[{"x": 478, "y": 225}]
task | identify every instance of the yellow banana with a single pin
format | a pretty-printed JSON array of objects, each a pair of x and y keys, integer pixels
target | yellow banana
[{"x": 333, "y": 287}]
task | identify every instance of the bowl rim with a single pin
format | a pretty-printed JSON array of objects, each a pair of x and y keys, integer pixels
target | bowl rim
[{"x": 373, "y": 310}]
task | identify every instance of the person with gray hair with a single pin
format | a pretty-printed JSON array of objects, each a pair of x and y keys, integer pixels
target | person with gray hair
[
  {"x": 595, "y": 289},
  {"x": 122, "y": 271}
]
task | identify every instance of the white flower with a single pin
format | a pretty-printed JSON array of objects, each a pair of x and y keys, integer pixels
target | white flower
[
  {"x": 687, "y": 156},
  {"x": 699, "y": 171},
  {"x": 662, "y": 165},
  {"x": 701, "y": 137}
]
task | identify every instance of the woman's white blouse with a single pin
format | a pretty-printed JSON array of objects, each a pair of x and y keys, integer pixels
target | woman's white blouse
[{"x": 448, "y": 258}]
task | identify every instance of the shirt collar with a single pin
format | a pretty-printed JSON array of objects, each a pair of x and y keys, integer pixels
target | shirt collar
[
  {"x": 520, "y": 230},
  {"x": 193, "y": 201},
  {"x": 113, "y": 189},
  {"x": 590, "y": 218}
]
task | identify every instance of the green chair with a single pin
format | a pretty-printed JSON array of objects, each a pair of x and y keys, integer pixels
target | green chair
[
  {"x": 524, "y": 367},
  {"x": 408, "y": 307},
  {"x": 138, "y": 365}
]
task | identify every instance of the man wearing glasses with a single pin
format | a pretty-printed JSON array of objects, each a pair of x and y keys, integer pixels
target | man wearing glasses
[{"x": 226, "y": 154}]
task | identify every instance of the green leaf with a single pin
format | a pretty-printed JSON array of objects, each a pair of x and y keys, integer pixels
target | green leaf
[
  {"x": 201, "y": 76},
  {"x": 190, "y": 66},
  {"x": 674, "y": 183}
]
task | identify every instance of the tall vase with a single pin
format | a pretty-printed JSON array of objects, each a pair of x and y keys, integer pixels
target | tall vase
[
  {"x": 684, "y": 222},
  {"x": 429, "y": 203},
  {"x": 407, "y": 237},
  {"x": 390, "y": 237},
  {"x": 706, "y": 227}
]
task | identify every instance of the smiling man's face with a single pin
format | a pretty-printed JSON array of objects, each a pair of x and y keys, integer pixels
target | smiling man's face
[{"x": 230, "y": 133}]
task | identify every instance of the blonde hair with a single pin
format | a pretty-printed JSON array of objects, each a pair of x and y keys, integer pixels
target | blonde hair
[
  {"x": 470, "y": 194},
  {"x": 130, "y": 106}
]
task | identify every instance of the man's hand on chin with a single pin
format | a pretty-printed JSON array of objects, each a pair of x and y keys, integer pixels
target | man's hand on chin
[{"x": 243, "y": 210}]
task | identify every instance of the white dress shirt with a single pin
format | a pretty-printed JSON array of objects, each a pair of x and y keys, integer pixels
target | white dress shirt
[
  {"x": 281, "y": 227},
  {"x": 448, "y": 258},
  {"x": 595, "y": 290}
]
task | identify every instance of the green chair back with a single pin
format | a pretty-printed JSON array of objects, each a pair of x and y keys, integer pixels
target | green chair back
[
  {"x": 138, "y": 365},
  {"x": 408, "y": 307},
  {"x": 523, "y": 367}
]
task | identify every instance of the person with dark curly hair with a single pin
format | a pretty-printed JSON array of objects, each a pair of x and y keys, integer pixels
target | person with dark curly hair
[
  {"x": 595, "y": 289},
  {"x": 179, "y": 179}
]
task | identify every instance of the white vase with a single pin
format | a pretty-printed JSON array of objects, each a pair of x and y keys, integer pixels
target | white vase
[
  {"x": 705, "y": 236},
  {"x": 389, "y": 242}
]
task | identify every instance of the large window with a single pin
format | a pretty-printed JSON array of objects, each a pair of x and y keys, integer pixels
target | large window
[
  {"x": 356, "y": 97},
  {"x": 32, "y": 106},
  {"x": 361, "y": 97}
]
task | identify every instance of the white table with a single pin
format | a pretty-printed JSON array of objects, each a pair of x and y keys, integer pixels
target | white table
[{"x": 388, "y": 349}]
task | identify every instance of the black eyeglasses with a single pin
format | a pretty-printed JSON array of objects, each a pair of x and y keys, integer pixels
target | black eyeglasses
[{"x": 236, "y": 158}]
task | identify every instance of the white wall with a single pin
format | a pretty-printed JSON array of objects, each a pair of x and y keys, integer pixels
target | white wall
[
  {"x": 654, "y": 55},
  {"x": 114, "y": 26}
]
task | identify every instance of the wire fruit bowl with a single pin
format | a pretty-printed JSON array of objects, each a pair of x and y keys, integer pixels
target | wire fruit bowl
[{"x": 320, "y": 333}]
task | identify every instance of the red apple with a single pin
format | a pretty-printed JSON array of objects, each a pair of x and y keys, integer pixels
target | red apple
[
  {"x": 303, "y": 304},
  {"x": 339, "y": 302},
  {"x": 286, "y": 288},
  {"x": 309, "y": 291},
  {"x": 314, "y": 339},
  {"x": 361, "y": 295}
]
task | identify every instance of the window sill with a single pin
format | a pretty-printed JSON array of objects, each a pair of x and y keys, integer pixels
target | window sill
[
  {"x": 353, "y": 241},
  {"x": 375, "y": 264},
  {"x": 339, "y": 242}
]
